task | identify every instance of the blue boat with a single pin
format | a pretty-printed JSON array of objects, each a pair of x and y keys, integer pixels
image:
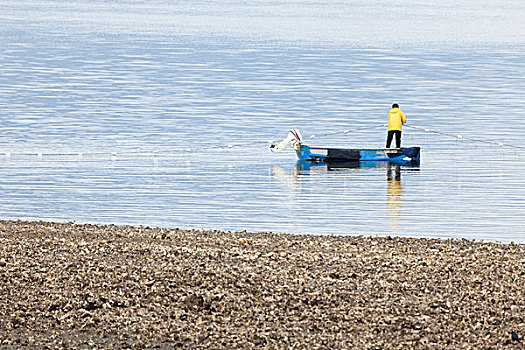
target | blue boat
[
  {"x": 403, "y": 155},
  {"x": 320, "y": 154}
]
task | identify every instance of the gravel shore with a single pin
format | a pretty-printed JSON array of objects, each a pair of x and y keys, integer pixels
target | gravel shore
[{"x": 88, "y": 286}]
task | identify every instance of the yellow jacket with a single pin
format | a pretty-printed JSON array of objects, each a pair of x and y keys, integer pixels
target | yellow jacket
[{"x": 396, "y": 118}]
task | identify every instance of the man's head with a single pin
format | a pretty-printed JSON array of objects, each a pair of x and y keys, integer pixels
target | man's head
[{"x": 395, "y": 105}]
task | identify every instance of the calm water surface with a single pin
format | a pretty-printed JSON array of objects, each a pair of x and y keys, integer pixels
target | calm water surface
[{"x": 148, "y": 80}]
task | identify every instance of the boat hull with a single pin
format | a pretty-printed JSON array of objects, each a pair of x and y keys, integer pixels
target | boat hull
[{"x": 319, "y": 154}]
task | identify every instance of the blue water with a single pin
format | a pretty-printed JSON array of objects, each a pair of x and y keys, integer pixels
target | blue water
[{"x": 145, "y": 90}]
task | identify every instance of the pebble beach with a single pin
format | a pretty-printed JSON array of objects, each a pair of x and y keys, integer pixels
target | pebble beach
[{"x": 66, "y": 285}]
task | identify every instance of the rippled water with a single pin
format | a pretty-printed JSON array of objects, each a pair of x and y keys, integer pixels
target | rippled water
[{"x": 134, "y": 78}]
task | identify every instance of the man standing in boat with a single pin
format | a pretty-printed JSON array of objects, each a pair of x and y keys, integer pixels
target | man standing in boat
[{"x": 396, "y": 118}]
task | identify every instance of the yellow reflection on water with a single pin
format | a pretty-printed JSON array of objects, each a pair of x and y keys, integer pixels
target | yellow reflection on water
[{"x": 394, "y": 195}]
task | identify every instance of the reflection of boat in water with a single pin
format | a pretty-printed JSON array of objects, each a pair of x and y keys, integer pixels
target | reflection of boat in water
[
  {"x": 305, "y": 165},
  {"x": 401, "y": 156},
  {"x": 331, "y": 178},
  {"x": 394, "y": 188}
]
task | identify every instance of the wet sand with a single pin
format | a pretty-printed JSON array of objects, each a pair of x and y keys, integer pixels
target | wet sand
[{"x": 87, "y": 286}]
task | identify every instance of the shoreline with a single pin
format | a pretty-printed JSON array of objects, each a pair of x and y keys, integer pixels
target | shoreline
[{"x": 105, "y": 286}]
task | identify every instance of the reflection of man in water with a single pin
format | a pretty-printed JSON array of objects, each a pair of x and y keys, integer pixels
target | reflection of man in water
[
  {"x": 396, "y": 118},
  {"x": 393, "y": 177}
]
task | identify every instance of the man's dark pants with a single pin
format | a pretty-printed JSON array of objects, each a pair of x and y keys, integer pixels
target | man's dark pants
[{"x": 391, "y": 134}]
